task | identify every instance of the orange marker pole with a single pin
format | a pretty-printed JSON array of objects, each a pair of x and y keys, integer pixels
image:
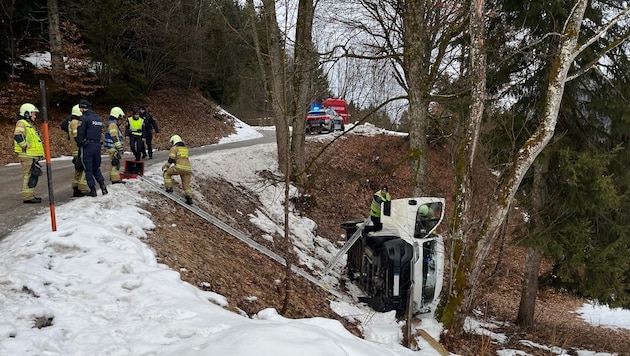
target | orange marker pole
[{"x": 51, "y": 195}]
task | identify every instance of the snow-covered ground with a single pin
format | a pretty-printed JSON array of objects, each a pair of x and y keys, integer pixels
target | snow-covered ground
[{"x": 93, "y": 287}]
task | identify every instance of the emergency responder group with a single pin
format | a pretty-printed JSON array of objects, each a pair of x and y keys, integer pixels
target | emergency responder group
[{"x": 85, "y": 131}]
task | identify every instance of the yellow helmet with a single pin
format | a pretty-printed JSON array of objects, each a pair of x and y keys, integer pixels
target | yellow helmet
[
  {"x": 175, "y": 139},
  {"x": 117, "y": 112},
  {"x": 26, "y": 110},
  {"x": 76, "y": 111}
]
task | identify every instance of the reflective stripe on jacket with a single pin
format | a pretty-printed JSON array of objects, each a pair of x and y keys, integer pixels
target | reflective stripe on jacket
[
  {"x": 113, "y": 132},
  {"x": 179, "y": 156},
  {"x": 31, "y": 137}
]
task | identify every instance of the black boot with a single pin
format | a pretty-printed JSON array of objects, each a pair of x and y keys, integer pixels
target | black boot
[
  {"x": 188, "y": 200},
  {"x": 92, "y": 192},
  {"x": 35, "y": 200},
  {"x": 77, "y": 193},
  {"x": 103, "y": 189}
]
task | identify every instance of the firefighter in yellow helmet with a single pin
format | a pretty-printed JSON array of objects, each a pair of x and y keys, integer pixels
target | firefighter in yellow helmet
[
  {"x": 178, "y": 164},
  {"x": 28, "y": 145},
  {"x": 79, "y": 183},
  {"x": 114, "y": 143}
]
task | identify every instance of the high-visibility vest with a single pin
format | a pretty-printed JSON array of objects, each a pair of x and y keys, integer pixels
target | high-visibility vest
[
  {"x": 135, "y": 126},
  {"x": 32, "y": 138},
  {"x": 375, "y": 209}
]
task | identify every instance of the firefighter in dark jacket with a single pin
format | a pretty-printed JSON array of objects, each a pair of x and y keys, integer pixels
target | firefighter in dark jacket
[
  {"x": 150, "y": 125},
  {"x": 114, "y": 143},
  {"x": 29, "y": 148},
  {"x": 89, "y": 141},
  {"x": 79, "y": 183},
  {"x": 381, "y": 196},
  {"x": 178, "y": 164},
  {"x": 135, "y": 130}
]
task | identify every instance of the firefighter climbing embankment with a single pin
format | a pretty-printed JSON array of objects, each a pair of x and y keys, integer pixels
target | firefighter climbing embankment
[{"x": 178, "y": 164}]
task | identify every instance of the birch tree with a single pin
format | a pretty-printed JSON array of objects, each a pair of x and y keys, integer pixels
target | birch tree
[{"x": 475, "y": 250}]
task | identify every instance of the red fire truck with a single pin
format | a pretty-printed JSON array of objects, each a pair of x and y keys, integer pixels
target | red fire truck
[{"x": 339, "y": 105}]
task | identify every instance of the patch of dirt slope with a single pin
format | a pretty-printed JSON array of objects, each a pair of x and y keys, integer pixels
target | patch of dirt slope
[
  {"x": 340, "y": 185},
  {"x": 214, "y": 260}
]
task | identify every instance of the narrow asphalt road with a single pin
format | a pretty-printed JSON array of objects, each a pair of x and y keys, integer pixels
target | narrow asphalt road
[{"x": 14, "y": 213}]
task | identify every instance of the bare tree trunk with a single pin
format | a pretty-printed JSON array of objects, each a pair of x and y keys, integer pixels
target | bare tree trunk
[
  {"x": 305, "y": 61},
  {"x": 54, "y": 36},
  {"x": 259, "y": 56},
  {"x": 417, "y": 65},
  {"x": 278, "y": 80},
  {"x": 288, "y": 285},
  {"x": 454, "y": 312},
  {"x": 529, "y": 287}
]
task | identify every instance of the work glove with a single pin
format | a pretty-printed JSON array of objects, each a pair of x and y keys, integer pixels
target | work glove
[
  {"x": 117, "y": 155},
  {"x": 36, "y": 169},
  {"x": 165, "y": 167},
  {"x": 115, "y": 161},
  {"x": 78, "y": 165}
]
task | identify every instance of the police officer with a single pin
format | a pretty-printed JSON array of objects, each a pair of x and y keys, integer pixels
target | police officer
[
  {"x": 135, "y": 130},
  {"x": 79, "y": 183},
  {"x": 89, "y": 142},
  {"x": 381, "y": 196},
  {"x": 28, "y": 145},
  {"x": 114, "y": 143},
  {"x": 178, "y": 164},
  {"x": 149, "y": 126}
]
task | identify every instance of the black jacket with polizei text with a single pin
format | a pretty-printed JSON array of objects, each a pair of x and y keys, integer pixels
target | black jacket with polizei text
[{"x": 91, "y": 128}]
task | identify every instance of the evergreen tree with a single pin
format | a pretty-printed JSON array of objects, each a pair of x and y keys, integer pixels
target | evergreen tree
[{"x": 581, "y": 223}]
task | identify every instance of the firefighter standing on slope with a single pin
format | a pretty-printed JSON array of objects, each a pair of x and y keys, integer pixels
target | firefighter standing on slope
[
  {"x": 79, "y": 183},
  {"x": 29, "y": 148},
  {"x": 135, "y": 130},
  {"x": 114, "y": 143},
  {"x": 89, "y": 141},
  {"x": 381, "y": 196},
  {"x": 178, "y": 164}
]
